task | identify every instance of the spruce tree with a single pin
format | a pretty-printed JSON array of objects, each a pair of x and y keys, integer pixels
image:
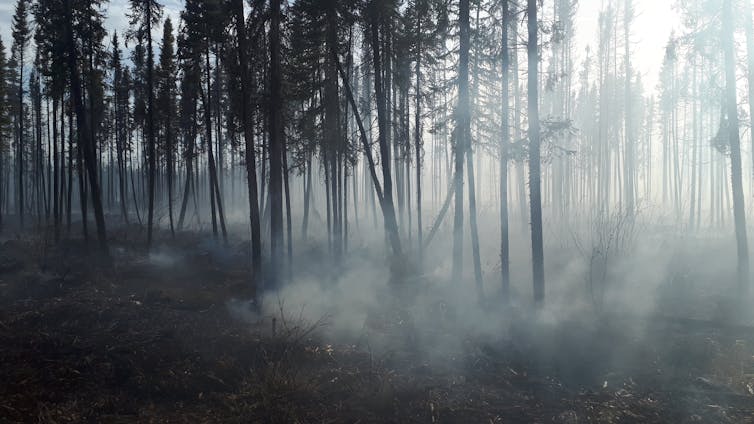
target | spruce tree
[
  {"x": 535, "y": 193},
  {"x": 4, "y": 122},
  {"x": 121, "y": 106},
  {"x": 21, "y": 35},
  {"x": 145, "y": 14},
  {"x": 83, "y": 133},
  {"x": 166, "y": 76}
]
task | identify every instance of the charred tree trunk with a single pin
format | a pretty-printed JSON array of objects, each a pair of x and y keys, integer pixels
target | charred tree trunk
[
  {"x": 151, "y": 151},
  {"x": 214, "y": 188},
  {"x": 332, "y": 134},
  {"x": 463, "y": 134},
  {"x": 504, "y": 143},
  {"x": 85, "y": 142},
  {"x": 418, "y": 136},
  {"x": 248, "y": 132},
  {"x": 276, "y": 148},
  {"x": 55, "y": 176},
  {"x": 535, "y": 194},
  {"x": 388, "y": 207},
  {"x": 628, "y": 179},
  {"x": 388, "y": 211},
  {"x": 307, "y": 197},
  {"x": 749, "y": 29},
  {"x": 739, "y": 212}
]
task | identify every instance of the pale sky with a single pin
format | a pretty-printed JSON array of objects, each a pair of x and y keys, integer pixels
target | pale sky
[
  {"x": 654, "y": 22},
  {"x": 655, "y": 19}
]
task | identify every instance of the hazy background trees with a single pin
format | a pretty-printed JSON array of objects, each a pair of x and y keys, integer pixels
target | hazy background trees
[{"x": 356, "y": 124}]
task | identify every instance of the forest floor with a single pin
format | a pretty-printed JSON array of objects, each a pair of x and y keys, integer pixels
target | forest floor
[{"x": 151, "y": 339}]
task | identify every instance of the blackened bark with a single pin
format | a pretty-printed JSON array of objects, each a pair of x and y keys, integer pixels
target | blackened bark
[
  {"x": 84, "y": 140},
  {"x": 739, "y": 212},
  {"x": 504, "y": 144},
  {"x": 276, "y": 148},
  {"x": 535, "y": 194},
  {"x": 248, "y": 132},
  {"x": 463, "y": 133}
]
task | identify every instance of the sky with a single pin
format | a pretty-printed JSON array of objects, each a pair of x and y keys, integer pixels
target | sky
[{"x": 655, "y": 19}]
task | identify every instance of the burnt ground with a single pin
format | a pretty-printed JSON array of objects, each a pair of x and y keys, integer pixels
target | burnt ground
[{"x": 151, "y": 339}]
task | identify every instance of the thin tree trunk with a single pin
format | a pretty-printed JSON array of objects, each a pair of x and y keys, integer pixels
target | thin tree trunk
[
  {"x": 307, "y": 197},
  {"x": 85, "y": 143},
  {"x": 151, "y": 153},
  {"x": 388, "y": 211},
  {"x": 55, "y": 181},
  {"x": 190, "y": 141},
  {"x": 473, "y": 225},
  {"x": 739, "y": 211},
  {"x": 248, "y": 132},
  {"x": 628, "y": 179},
  {"x": 391, "y": 223},
  {"x": 535, "y": 194},
  {"x": 276, "y": 148},
  {"x": 463, "y": 134},
  {"x": 288, "y": 223},
  {"x": 749, "y": 29},
  {"x": 440, "y": 215},
  {"x": 20, "y": 147},
  {"x": 504, "y": 142},
  {"x": 70, "y": 167},
  {"x": 417, "y": 133},
  {"x": 169, "y": 165}
]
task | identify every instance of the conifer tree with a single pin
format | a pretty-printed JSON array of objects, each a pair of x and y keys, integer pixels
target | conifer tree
[
  {"x": 84, "y": 134},
  {"x": 21, "y": 35},
  {"x": 535, "y": 193},
  {"x": 166, "y": 75},
  {"x": 145, "y": 14},
  {"x": 4, "y": 123}
]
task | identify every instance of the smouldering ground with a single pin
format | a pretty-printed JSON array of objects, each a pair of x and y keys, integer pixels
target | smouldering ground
[{"x": 152, "y": 340}]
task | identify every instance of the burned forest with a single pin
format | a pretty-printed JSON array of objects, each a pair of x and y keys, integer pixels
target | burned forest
[{"x": 376, "y": 211}]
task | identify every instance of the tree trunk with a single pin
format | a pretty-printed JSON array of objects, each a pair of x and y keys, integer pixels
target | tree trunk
[
  {"x": 82, "y": 186},
  {"x": 473, "y": 225},
  {"x": 332, "y": 134},
  {"x": 388, "y": 207},
  {"x": 463, "y": 134},
  {"x": 120, "y": 147},
  {"x": 151, "y": 153},
  {"x": 288, "y": 219},
  {"x": 504, "y": 142},
  {"x": 628, "y": 179},
  {"x": 70, "y": 169},
  {"x": 248, "y": 132},
  {"x": 189, "y": 141},
  {"x": 388, "y": 212},
  {"x": 85, "y": 142},
  {"x": 20, "y": 147},
  {"x": 535, "y": 194},
  {"x": 276, "y": 148},
  {"x": 749, "y": 29},
  {"x": 739, "y": 212},
  {"x": 418, "y": 135},
  {"x": 307, "y": 197},
  {"x": 214, "y": 188},
  {"x": 55, "y": 181},
  {"x": 169, "y": 166}
]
